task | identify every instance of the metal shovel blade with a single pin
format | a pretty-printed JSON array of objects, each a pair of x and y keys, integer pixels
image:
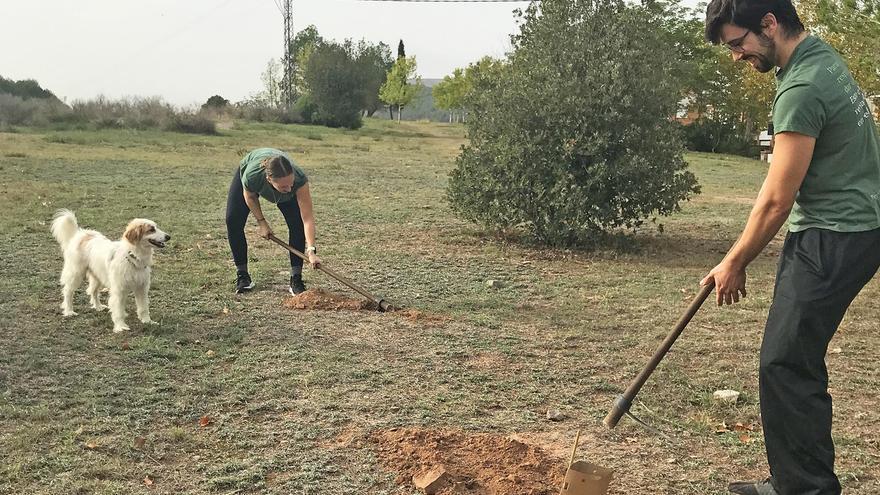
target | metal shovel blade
[{"x": 584, "y": 478}]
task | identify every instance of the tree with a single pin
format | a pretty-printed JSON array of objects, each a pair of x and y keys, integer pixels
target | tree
[
  {"x": 572, "y": 137},
  {"x": 302, "y": 47},
  {"x": 336, "y": 85},
  {"x": 732, "y": 100},
  {"x": 24, "y": 89},
  {"x": 374, "y": 61},
  {"x": 397, "y": 89},
  {"x": 215, "y": 101},
  {"x": 401, "y": 50},
  {"x": 271, "y": 77},
  {"x": 449, "y": 94}
]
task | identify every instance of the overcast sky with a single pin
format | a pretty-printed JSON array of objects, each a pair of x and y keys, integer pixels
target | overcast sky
[{"x": 188, "y": 50}]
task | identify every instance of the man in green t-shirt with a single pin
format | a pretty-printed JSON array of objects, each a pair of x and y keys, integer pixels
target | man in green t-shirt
[
  {"x": 825, "y": 180},
  {"x": 270, "y": 174}
]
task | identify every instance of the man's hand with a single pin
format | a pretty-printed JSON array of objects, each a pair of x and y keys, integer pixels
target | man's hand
[
  {"x": 264, "y": 229},
  {"x": 730, "y": 282},
  {"x": 314, "y": 260}
]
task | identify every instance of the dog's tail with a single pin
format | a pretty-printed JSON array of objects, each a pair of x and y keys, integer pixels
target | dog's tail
[{"x": 64, "y": 227}]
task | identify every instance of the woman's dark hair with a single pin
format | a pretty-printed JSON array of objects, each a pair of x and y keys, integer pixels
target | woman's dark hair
[
  {"x": 277, "y": 167},
  {"x": 748, "y": 14}
]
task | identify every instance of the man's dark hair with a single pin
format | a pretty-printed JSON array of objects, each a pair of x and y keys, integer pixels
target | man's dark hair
[{"x": 748, "y": 14}]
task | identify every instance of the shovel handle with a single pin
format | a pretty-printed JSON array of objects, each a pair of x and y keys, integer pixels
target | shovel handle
[
  {"x": 624, "y": 401},
  {"x": 381, "y": 303}
]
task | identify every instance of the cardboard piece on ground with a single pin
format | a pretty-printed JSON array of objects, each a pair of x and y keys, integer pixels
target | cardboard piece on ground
[{"x": 584, "y": 478}]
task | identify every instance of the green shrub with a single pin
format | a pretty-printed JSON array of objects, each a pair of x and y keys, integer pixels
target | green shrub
[
  {"x": 305, "y": 108},
  {"x": 572, "y": 137},
  {"x": 192, "y": 123},
  {"x": 716, "y": 136}
]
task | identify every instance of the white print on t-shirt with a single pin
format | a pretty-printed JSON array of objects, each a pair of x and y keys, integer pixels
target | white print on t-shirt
[{"x": 856, "y": 96}]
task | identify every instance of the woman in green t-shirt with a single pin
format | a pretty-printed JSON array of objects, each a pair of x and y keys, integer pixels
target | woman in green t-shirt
[{"x": 270, "y": 174}]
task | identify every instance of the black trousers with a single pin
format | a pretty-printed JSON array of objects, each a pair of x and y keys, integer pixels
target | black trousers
[
  {"x": 820, "y": 273},
  {"x": 237, "y": 212}
]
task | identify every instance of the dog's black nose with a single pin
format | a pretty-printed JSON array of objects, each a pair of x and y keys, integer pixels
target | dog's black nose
[{"x": 167, "y": 237}]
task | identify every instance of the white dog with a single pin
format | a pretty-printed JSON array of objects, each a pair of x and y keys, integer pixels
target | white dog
[{"x": 122, "y": 266}]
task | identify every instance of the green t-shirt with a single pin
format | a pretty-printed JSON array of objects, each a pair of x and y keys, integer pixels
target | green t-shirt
[
  {"x": 253, "y": 176},
  {"x": 817, "y": 96}
]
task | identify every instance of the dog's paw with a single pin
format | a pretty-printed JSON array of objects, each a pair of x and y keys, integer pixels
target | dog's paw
[
  {"x": 121, "y": 328},
  {"x": 69, "y": 312},
  {"x": 99, "y": 307}
]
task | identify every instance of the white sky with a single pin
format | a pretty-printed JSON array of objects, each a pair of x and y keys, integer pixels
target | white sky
[{"x": 188, "y": 50}]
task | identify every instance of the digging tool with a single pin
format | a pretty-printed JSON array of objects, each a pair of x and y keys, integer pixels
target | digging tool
[
  {"x": 623, "y": 402},
  {"x": 381, "y": 304},
  {"x": 584, "y": 478}
]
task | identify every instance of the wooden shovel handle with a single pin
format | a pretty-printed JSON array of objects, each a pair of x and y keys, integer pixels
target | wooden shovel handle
[{"x": 623, "y": 402}]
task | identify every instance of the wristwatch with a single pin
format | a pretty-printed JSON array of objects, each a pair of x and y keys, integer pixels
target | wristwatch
[{"x": 311, "y": 249}]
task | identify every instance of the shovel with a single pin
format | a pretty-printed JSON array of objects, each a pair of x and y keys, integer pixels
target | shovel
[
  {"x": 381, "y": 304},
  {"x": 623, "y": 402},
  {"x": 584, "y": 478}
]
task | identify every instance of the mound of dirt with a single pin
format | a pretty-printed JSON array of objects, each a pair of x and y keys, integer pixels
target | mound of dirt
[
  {"x": 475, "y": 464},
  {"x": 321, "y": 299}
]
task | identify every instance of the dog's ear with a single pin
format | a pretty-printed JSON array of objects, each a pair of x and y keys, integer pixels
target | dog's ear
[{"x": 135, "y": 231}]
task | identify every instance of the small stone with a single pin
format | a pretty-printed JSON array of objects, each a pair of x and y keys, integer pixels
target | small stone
[
  {"x": 210, "y": 353},
  {"x": 555, "y": 415},
  {"x": 494, "y": 284},
  {"x": 726, "y": 396},
  {"x": 431, "y": 481}
]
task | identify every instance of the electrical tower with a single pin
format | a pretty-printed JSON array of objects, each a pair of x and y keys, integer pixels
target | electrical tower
[{"x": 288, "y": 86}]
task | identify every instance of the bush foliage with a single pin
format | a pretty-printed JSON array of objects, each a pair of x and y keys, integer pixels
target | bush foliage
[{"x": 572, "y": 138}]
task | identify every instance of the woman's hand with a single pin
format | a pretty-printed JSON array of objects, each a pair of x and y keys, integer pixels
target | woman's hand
[
  {"x": 314, "y": 260},
  {"x": 264, "y": 229}
]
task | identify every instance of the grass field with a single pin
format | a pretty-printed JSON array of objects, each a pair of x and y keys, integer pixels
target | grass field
[{"x": 293, "y": 396}]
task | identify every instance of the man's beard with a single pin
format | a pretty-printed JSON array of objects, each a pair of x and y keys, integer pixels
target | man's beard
[{"x": 764, "y": 62}]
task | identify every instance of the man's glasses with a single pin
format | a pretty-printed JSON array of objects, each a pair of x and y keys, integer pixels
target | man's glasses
[{"x": 735, "y": 45}]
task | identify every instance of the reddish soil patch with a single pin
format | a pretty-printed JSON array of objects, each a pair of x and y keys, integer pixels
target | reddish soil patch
[
  {"x": 476, "y": 464},
  {"x": 322, "y": 300}
]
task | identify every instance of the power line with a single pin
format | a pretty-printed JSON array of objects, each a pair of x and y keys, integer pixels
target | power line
[{"x": 451, "y": 1}]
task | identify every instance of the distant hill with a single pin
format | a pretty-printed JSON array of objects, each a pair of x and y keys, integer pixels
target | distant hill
[{"x": 430, "y": 83}]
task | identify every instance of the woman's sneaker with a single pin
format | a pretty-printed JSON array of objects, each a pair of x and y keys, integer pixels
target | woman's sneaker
[
  {"x": 296, "y": 284},
  {"x": 752, "y": 488},
  {"x": 243, "y": 282}
]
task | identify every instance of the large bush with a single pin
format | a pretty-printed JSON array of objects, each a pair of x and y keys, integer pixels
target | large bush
[
  {"x": 573, "y": 136},
  {"x": 336, "y": 85}
]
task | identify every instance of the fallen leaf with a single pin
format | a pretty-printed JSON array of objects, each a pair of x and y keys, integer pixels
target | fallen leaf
[
  {"x": 91, "y": 445},
  {"x": 125, "y": 346},
  {"x": 148, "y": 481},
  {"x": 745, "y": 438},
  {"x": 741, "y": 427},
  {"x": 210, "y": 353},
  {"x": 139, "y": 442},
  {"x": 225, "y": 310},
  {"x": 204, "y": 421}
]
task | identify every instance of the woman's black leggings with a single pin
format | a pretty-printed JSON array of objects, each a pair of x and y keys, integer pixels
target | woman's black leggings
[{"x": 237, "y": 212}]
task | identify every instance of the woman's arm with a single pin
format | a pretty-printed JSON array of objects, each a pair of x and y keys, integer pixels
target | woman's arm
[
  {"x": 253, "y": 201},
  {"x": 306, "y": 211}
]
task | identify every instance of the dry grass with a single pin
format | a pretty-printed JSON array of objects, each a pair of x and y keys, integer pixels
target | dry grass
[{"x": 567, "y": 330}]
